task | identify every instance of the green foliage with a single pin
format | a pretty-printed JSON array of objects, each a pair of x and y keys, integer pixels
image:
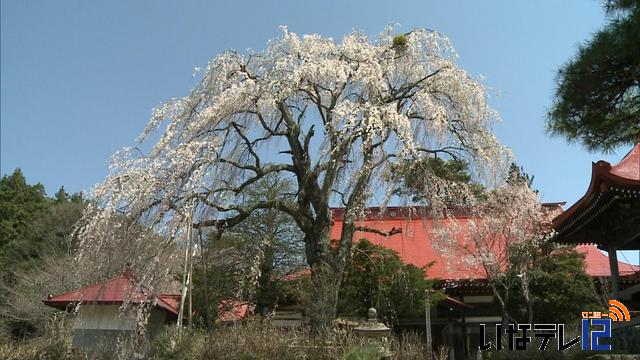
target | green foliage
[
  {"x": 20, "y": 203},
  {"x": 560, "y": 289},
  {"x": 31, "y": 224},
  {"x": 361, "y": 353},
  {"x": 40, "y": 267},
  {"x": 411, "y": 176},
  {"x": 226, "y": 277},
  {"x": 597, "y": 101},
  {"x": 517, "y": 176},
  {"x": 376, "y": 277}
]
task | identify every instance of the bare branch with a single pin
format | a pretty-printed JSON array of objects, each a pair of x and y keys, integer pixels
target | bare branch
[{"x": 393, "y": 231}]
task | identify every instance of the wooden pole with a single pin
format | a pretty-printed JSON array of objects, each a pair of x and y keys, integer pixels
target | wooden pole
[
  {"x": 185, "y": 279},
  {"x": 205, "y": 263},
  {"x": 615, "y": 273},
  {"x": 427, "y": 322},
  {"x": 190, "y": 281}
]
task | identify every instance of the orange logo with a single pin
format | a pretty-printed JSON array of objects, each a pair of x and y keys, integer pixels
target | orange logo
[{"x": 617, "y": 311}]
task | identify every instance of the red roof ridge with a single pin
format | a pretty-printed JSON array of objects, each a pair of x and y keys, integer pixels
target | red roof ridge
[
  {"x": 629, "y": 166},
  {"x": 418, "y": 211}
]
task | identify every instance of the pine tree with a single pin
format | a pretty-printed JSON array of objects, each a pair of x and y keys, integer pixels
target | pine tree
[{"x": 597, "y": 101}]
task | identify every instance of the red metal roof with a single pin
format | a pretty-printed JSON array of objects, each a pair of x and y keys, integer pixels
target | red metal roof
[
  {"x": 629, "y": 166},
  {"x": 598, "y": 263},
  {"x": 115, "y": 291},
  {"x": 415, "y": 246},
  {"x": 173, "y": 300},
  {"x": 232, "y": 310},
  {"x": 603, "y": 174}
]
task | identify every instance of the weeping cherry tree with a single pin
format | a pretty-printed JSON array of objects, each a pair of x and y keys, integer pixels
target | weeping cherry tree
[{"x": 334, "y": 117}]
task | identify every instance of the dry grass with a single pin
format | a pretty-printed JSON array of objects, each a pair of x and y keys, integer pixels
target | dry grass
[
  {"x": 261, "y": 341},
  {"x": 37, "y": 349},
  {"x": 245, "y": 342}
]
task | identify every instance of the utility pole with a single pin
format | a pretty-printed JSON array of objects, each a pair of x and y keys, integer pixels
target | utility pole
[{"x": 427, "y": 323}]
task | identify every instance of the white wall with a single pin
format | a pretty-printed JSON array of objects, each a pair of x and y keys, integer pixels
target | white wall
[{"x": 103, "y": 317}]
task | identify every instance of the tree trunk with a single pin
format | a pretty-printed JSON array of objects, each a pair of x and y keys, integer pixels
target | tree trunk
[
  {"x": 528, "y": 300},
  {"x": 327, "y": 261},
  {"x": 324, "y": 297},
  {"x": 205, "y": 261},
  {"x": 266, "y": 295},
  {"x": 503, "y": 301},
  {"x": 327, "y": 268}
]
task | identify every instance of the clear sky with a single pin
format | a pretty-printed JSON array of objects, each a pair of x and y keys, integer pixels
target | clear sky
[{"x": 79, "y": 78}]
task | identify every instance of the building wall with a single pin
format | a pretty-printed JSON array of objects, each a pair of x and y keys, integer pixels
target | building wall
[
  {"x": 103, "y": 317},
  {"x": 103, "y": 325},
  {"x": 156, "y": 324}
]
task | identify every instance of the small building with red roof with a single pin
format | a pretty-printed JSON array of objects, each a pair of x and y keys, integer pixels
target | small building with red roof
[
  {"x": 100, "y": 319},
  {"x": 230, "y": 311}
]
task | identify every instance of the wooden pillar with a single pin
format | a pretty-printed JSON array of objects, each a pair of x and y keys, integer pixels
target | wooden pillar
[
  {"x": 465, "y": 337},
  {"x": 451, "y": 337},
  {"x": 615, "y": 273}
]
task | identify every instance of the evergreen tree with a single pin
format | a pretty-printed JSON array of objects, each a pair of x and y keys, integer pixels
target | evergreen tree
[
  {"x": 376, "y": 277},
  {"x": 517, "y": 176},
  {"x": 61, "y": 196},
  {"x": 560, "y": 288},
  {"x": 34, "y": 231},
  {"x": 20, "y": 204},
  {"x": 597, "y": 101},
  {"x": 32, "y": 223}
]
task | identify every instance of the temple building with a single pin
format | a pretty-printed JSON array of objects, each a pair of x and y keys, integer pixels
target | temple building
[
  {"x": 608, "y": 215},
  {"x": 455, "y": 323}
]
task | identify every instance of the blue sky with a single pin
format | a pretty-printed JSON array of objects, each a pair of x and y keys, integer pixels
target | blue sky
[{"x": 79, "y": 79}]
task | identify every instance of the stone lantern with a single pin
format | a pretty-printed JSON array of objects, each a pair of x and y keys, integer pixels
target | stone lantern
[{"x": 375, "y": 333}]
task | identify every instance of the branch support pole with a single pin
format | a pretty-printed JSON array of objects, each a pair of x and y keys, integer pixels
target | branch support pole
[
  {"x": 186, "y": 274},
  {"x": 427, "y": 323}
]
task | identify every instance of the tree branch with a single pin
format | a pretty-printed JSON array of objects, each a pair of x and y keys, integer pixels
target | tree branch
[{"x": 393, "y": 231}]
